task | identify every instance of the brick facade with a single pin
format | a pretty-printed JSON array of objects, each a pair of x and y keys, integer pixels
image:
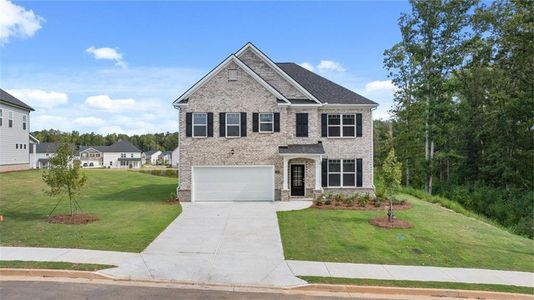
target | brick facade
[{"x": 247, "y": 95}]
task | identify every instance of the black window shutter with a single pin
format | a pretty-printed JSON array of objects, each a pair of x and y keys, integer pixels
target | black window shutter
[
  {"x": 302, "y": 124},
  {"x": 210, "y": 124},
  {"x": 222, "y": 124},
  {"x": 324, "y": 125},
  {"x": 324, "y": 172},
  {"x": 276, "y": 122},
  {"x": 359, "y": 175},
  {"x": 255, "y": 122},
  {"x": 358, "y": 124},
  {"x": 243, "y": 124},
  {"x": 188, "y": 124}
]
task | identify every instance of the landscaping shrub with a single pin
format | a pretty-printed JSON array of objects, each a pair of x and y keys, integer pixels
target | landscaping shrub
[
  {"x": 329, "y": 198},
  {"x": 338, "y": 199},
  {"x": 364, "y": 200},
  {"x": 349, "y": 201}
]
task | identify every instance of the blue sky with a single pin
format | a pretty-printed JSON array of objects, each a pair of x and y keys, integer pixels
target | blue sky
[{"x": 117, "y": 66}]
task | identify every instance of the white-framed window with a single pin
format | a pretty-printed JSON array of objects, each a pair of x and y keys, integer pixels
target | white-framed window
[
  {"x": 84, "y": 154},
  {"x": 1, "y": 117},
  {"x": 341, "y": 125},
  {"x": 200, "y": 124},
  {"x": 233, "y": 124},
  {"x": 341, "y": 173},
  {"x": 131, "y": 155},
  {"x": 232, "y": 75},
  {"x": 10, "y": 119},
  {"x": 266, "y": 122},
  {"x": 123, "y": 155},
  {"x": 124, "y": 163},
  {"x": 24, "y": 122}
]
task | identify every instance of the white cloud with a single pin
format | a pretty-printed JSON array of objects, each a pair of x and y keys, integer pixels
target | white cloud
[
  {"x": 330, "y": 65},
  {"x": 380, "y": 85},
  {"x": 107, "y": 54},
  {"x": 89, "y": 121},
  {"x": 16, "y": 21},
  {"x": 307, "y": 66},
  {"x": 40, "y": 98},
  {"x": 105, "y": 103}
]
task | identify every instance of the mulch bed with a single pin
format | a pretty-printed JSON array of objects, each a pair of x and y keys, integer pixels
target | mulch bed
[
  {"x": 75, "y": 219},
  {"x": 369, "y": 206},
  {"x": 396, "y": 223}
]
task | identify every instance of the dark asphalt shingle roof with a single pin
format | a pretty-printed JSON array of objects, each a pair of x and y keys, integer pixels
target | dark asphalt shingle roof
[
  {"x": 150, "y": 152},
  {"x": 302, "y": 149},
  {"x": 120, "y": 146},
  {"x": 8, "y": 98},
  {"x": 49, "y": 147},
  {"x": 321, "y": 88},
  {"x": 165, "y": 153}
]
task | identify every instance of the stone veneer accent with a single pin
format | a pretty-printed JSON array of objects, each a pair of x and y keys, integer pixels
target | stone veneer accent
[{"x": 247, "y": 95}]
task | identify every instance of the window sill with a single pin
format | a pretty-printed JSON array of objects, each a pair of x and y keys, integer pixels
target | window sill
[
  {"x": 266, "y": 132},
  {"x": 343, "y": 187},
  {"x": 343, "y": 137},
  {"x": 199, "y": 137},
  {"x": 232, "y": 137}
]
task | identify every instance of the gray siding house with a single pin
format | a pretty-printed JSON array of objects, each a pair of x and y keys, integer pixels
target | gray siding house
[
  {"x": 255, "y": 130},
  {"x": 16, "y": 142}
]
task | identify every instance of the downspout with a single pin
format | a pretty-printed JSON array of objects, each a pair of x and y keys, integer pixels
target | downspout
[{"x": 373, "y": 148}]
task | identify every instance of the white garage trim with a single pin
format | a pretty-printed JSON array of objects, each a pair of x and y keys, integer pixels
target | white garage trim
[{"x": 193, "y": 178}]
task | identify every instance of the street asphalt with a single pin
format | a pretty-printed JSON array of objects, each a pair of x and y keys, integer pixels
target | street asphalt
[{"x": 23, "y": 290}]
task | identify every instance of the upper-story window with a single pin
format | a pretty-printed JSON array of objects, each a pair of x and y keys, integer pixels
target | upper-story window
[
  {"x": 233, "y": 124},
  {"x": 266, "y": 122},
  {"x": 1, "y": 116},
  {"x": 123, "y": 155},
  {"x": 341, "y": 125},
  {"x": 131, "y": 155},
  {"x": 200, "y": 125},
  {"x": 84, "y": 154},
  {"x": 10, "y": 120},
  {"x": 24, "y": 122}
]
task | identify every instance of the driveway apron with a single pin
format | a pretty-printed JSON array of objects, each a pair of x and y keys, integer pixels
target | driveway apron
[{"x": 226, "y": 243}]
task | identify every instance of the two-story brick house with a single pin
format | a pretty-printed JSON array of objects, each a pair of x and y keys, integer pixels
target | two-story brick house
[{"x": 255, "y": 130}]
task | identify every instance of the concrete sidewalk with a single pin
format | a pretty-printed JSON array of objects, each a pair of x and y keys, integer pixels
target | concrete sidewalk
[{"x": 415, "y": 273}]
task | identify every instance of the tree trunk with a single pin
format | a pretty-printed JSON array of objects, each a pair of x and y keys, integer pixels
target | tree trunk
[{"x": 407, "y": 168}]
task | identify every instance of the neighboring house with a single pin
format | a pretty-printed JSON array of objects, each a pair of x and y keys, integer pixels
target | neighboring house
[
  {"x": 256, "y": 130},
  {"x": 151, "y": 157},
  {"x": 43, "y": 152},
  {"x": 121, "y": 154},
  {"x": 175, "y": 158},
  {"x": 165, "y": 158},
  {"x": 15, "y": 138}
]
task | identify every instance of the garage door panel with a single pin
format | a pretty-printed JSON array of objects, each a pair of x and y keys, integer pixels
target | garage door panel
[{"x": 219, "y": 183}]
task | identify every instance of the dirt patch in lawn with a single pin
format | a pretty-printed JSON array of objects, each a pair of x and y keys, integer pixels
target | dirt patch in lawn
[
  {"x": 384, "y": 223},
  {"x": 370, "y": 206},
  {"x": 75, "y": 219}
]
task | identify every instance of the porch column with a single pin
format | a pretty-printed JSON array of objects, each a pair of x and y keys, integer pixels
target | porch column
[
  {"x": 285, "y": 186},
  {"x": 318, "y": 173}
]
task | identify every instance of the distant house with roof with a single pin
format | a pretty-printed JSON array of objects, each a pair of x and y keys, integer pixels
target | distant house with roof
[
  {"x": 165, "y": 158},
  {"x": 15, "y": 139},
  {"x": 42, "y": 154},
  {"x": 121, "y": 154},
  {"x": 151, "y": 157}
]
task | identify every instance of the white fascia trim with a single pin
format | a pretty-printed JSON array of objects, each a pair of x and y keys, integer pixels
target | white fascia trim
[
  {"x": 268, "y": 61},
  {"x": 212, "y": 73},
  {"x": 90, "y": 149},
  {"x": 333, "y": 106},
  {"x": 34, "y": 139}
]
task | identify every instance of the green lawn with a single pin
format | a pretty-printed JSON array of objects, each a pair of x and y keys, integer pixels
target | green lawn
[
  {"x": 130, "y": 206},
  {"x": 440, "y": 237},
  {"x": 54, "y": 265},
  {"x": 422, "y": 284}
]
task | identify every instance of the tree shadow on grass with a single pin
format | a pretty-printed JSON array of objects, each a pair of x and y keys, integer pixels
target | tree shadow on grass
[{"x": 24, "y": 216}]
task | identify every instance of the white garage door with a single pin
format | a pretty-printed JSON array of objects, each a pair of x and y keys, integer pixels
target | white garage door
[{"x": 232, "y": 183}]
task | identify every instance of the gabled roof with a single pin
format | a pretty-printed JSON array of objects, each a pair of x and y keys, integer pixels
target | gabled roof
[
  {"x": 212, "y": 73},
  {"x": 165, "y": 153},
  {"x": 97, "y": 148},
  {"x": 122, "y": 146},
  {"x": 49, "y": 147},
  {"x": 9, "y": 99},
  {"x": 151, "y": 152},
  {"x": 323, "y": 89}
]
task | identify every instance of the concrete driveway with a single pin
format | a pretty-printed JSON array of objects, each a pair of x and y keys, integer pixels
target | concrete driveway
[{"x": 227, "y": 243}]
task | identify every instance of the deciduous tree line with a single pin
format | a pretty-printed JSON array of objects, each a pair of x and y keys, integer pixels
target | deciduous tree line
[
  {"x": 463, "y": 115},
  {"x": 145, "y": 142}
]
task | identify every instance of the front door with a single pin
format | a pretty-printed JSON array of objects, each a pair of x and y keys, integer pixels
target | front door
[{"x": 297, "y": 180}]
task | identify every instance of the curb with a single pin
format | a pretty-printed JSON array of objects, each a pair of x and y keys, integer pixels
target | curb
[
  {"x": 311, "y": 289},
  {"x": 452, "y": 293}
]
